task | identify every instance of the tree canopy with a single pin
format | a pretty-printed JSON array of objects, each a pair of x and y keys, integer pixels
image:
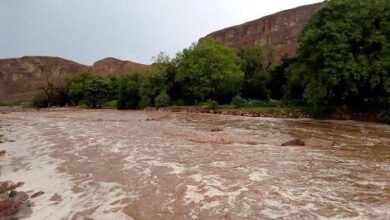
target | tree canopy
[
  {"x": 344, "y": 54},
  {"x": 256, "y": 77},
  {"x": 209, "y": 70}
]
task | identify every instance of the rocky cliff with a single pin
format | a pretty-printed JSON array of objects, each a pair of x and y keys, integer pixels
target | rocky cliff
[
  {"x": 277, "y": 34},
  {"x": 22, "y": 78}
]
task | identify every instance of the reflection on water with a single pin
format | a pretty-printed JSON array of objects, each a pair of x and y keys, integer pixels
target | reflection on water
[{"x": 149, "y": 165}]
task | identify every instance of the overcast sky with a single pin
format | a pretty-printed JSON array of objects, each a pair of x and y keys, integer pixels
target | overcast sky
[{"x": 88, "y": 30}]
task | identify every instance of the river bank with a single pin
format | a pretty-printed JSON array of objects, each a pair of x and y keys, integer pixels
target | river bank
[
  {"x": 273, "y": 112},
  {"x": 269, "y": 112}
]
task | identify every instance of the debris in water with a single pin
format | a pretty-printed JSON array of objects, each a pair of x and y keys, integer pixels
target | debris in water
[
  {"x": 294, "y": 142},
  {"x": 216, "y": 129},
  {"x": 37, "y": 194}
]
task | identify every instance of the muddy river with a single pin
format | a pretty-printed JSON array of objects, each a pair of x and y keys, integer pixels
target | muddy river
[{"x": 108, "y": 164}]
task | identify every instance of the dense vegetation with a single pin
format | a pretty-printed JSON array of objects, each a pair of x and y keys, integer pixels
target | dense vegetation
[
  {"x": 343, "y": 62},
  {"x": 344, "y": 55}
]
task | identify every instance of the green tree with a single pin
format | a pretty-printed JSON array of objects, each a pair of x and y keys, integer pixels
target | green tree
[
  {"x": 209, "y": 70},
  {"x": 269, "y": 55},
  {"x": 148, "y": 92},
  {"x": 344, "y": 54},
  {"x": 128, "y": 92},
  {"x": 40, "y": 100},
  {"x": 161, "y": 78},
  {"x": 256, "y": 77},
  {"x": 278, "y": 81},
  {"x": 77, "y": 87},
  {"x": 55, "y": 95},
  {"x": 98, "y": 91}
]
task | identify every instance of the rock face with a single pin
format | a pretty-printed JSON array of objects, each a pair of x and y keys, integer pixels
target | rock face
[
  {"x": 111, "y": 66},
  {"x": 22, "y": 78},
  {"x": 277, "y": 34}
]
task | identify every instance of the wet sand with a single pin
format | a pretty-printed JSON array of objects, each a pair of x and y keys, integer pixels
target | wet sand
[{"x": 106, "y": 164}]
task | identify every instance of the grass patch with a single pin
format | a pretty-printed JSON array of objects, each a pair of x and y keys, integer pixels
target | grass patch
[
  {"x": 110, "y": 105},
  {"x": 25, "y": 104},
  {"x": 22, "y": 103}
]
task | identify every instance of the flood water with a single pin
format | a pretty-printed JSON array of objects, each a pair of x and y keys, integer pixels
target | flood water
[{"x": 106, "y": 164}]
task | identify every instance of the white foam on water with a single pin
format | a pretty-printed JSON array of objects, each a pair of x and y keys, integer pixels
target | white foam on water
[
  {"x": 196, "y": 177},
  {"x": 219, "y": 164},
  {"x": 211, "y": 186},
  {"x": 211, "y": 205},
  {"x": 259, "y": 175},
  {"x": 40, "y": 174}
]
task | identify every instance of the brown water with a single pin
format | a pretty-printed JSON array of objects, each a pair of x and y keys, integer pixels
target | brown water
[{"x": 107, "y": 164}]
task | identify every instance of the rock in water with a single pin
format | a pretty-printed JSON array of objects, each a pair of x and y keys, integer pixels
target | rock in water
[
  {"x": 13, "y": 204},
  {"x": 294, "y": 142},
  {"x": 18, "y": 196},
  {"x": 8, "y": 207},
  {"x": 37, "y": 194},
  {"x": 9, "y": 185}
]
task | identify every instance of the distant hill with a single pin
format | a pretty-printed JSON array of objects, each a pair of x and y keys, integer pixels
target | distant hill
[
  {"x": 278, "y": 32},
  {"x": 21, "y": 78},
  {"x": 112, "y": 66}
]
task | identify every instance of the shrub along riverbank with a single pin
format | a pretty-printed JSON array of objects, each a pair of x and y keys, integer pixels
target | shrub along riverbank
[{"x": 342, "y": 66}]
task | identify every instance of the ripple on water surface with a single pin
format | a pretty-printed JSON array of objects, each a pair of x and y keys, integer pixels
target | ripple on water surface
[{"x": 149, "y": 165}]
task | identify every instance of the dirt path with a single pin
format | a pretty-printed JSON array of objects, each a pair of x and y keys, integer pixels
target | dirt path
[{"x": 107, "y": 164}]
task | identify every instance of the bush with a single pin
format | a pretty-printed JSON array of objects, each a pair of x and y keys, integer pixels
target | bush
[
  {"x": 25, "y": 104},
  {"x": 97, "y": 93},
  {"x": 239, "y": 102},
  {"x": 146, "y": 101},
  {"x": 162, "y": 100},
  {"x": 211, "y": 104},
  {"x": 111, "y": 104},
  {"x": 384, "y": 116},
  {"x": 128, "y": 92},
  {"x": 40, "y": 101},
  {"x": 180, "y": 102}
]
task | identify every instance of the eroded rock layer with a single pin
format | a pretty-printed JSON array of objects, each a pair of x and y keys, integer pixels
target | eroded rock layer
[{"x": 277, "y": 33}]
